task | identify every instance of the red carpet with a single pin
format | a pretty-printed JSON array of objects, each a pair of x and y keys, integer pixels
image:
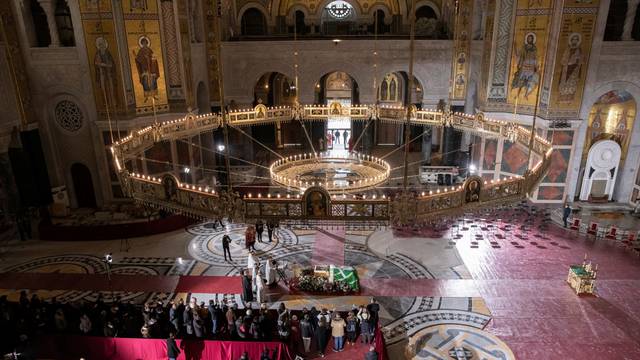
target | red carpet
[
  {"x": 328, "y": 248},
  {"x": 130, "y": 283},
  {"x": 210, "y": 284}
]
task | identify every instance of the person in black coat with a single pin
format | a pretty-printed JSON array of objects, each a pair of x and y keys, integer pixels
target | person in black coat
[
  {"x": 259, "y": 230},
  {"x": 372, "y": 354},
  {"x": 270, "y": 227},
  {"x": 226, "y": 240},
  {"x": 247, "y": 291},
  {"x": 565, "y": 214},
  {"x": 373, "y": 309},
  {"x": 172, "y": 348}
]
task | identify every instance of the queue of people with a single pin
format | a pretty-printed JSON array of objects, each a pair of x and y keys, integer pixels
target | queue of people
[{"x": 305, "y": 331}]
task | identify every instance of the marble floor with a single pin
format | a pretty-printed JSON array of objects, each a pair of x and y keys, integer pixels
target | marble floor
[{"x": 480, "y": 290}]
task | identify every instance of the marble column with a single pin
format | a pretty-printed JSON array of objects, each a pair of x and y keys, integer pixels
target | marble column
[
  {"x": 632, "y": 7},
  {"x": 49, "y": 7}
]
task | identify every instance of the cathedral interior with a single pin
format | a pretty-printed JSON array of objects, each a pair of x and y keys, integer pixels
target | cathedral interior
[{"x": 467, "y": 166}]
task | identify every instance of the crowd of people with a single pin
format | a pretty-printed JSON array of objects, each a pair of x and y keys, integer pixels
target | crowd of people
[{"x": 305, "y": 331}]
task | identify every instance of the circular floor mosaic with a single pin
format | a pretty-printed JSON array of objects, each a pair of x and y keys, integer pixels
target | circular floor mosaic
[{"x": 456, "y": 342}]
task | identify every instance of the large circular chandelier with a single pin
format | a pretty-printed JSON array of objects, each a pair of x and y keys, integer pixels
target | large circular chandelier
[{"x": 336, "y": 173}]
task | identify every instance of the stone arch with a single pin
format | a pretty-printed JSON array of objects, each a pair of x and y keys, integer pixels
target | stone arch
[
  {"x": 430, "y": 4},
  {"x": 40, "y": 25},
  {"x": 64, "y": 23},
  {"x": 418, "y": 84},
  {"x": 320, "y": 84},
  {"x": 624, "y": 183},
  {"x": 254, "y": 6},
  {"x": 83, "y": 187},
  {"x": 291, "y": 14},
  {"x": 273, "y": 88},
  {"x": 388, "y": 14}
]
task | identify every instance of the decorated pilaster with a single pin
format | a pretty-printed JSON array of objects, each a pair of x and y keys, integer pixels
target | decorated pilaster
[{"x": 461, "y": 53}]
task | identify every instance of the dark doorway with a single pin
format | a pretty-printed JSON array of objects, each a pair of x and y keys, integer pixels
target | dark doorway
[{"x": 83, "y": 186}]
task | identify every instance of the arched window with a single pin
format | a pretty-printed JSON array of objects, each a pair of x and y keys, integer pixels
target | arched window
[
  {"x": 40, "y": 25},
  {"x": 426, "y": 11},
  {"x": 384, "y": 90},
  {"x": 253, "y": 23},
  {"x": 300, "y": 26},
  {"x": 338, "y": 18},
  {"x": 615, "y": 20},
  {"x": 378, "y": 24},
  {"x": 427, "y": 23},
  {"x": 393, "y": 87},
  {"x": 64, "y": 24}
]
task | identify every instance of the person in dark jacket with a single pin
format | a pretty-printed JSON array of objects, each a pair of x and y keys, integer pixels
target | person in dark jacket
[
  {"x": 259, "y": 230},
  {"x": 322, "y": 335},
  {"x": 172, "y": 348},
  {"x": 187, "y": 320},
  {"x": 566, "y": 212},
  {"x": 214, "y": 314},
  {"x": 198, "y": 325},
  {"x": 247, "y": 291},
  {"x": 226, "y": 241},
  {"x": 270, "y": 227},
  {"x": 306, "y": 331},
  {"x": 173, "y": 316},
  {"x": 373, "y": 309},
  {"x": 372, "y": 354}
]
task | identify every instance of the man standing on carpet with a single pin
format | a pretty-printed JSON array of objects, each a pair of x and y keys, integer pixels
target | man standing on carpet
[
  {"x": 172, "y": 348},
  {"x": 226, "y": 241}
]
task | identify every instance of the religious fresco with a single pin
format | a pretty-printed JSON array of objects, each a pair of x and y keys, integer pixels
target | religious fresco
[
  {"x": 144, "y": 42},
  {"x": 489, "y": 157},
  {"x": 514, "y": 159},
  {"x": 555, "y": 193},
  {"x": 560, "y": 137},
  {"x": 572, "y": 57},
  {"x": 462, "y": 44},
  {"x": 104, "y": 58},
  {"x": 530, "y": 38},
  {"x": 611, "y": 117},
  {"x": 557, "y": 173}
]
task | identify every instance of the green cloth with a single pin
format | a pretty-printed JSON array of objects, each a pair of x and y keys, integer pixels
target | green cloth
[{"x": 346, "y": 274}]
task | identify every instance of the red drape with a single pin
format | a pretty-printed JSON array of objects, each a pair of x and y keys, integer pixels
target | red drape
[{"x": 90, "y": 348}]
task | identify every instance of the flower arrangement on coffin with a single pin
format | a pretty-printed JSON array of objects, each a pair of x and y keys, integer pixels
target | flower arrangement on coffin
[{"x": 307, "y": 281}]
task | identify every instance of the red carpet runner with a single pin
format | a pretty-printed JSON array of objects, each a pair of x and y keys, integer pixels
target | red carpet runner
[
  {"x": 132, "y": 283},
  {"x": 328, "y": 248}
]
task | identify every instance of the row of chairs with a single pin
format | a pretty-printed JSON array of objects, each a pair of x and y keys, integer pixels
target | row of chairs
[{"x": 612, "y": 233}]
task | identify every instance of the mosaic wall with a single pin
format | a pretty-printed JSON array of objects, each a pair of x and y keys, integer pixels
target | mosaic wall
[
  {"x": 142, "y": 26},
  {"x": 530, "y": 39},
  {"x": 104, "y": 57},
  {"x": 572, "y": 56},
  {"x": 462, "y": 44}
]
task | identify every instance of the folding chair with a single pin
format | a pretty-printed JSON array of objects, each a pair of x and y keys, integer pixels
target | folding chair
[{"x": 575, "y": 224}]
